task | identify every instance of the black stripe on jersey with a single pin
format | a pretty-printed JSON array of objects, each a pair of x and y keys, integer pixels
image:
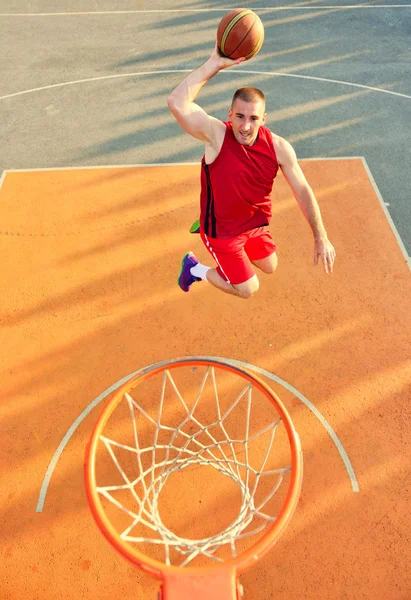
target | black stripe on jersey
[{"x": 210, "y": 213}]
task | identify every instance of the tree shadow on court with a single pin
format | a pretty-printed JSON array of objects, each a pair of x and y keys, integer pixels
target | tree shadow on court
[
  {"x": 129, "y": 141},
  {"x": 182, "y": 56},
  {"x": 211, "y": 19},
  {"x": 330, "y": 116},
  {"x": 114, "y": 292},
  {"x": 290, "y": 58},
  {"x": 90, "y": 335}
]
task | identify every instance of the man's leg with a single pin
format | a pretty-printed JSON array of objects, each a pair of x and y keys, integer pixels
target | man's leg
[
  {"x": 261, "y": 250},
  {"x": 268, "y": 264},
  {"x": 241, "y": 290},
  {"x": 192, "y": 271},
  {"x": 234, "y": 273}
]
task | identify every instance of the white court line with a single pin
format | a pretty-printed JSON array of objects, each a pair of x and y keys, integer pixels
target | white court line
[
  {"x": 66, "y": 438},
  {"x": 90, "y": 79},
  {"x": 331, "y": 158},
  {"x": 326, "y": 80},
  {"x": 314, "y": 410},
  {"x": 233, "y": 72},
  {"x": 203, "y": 10},
  {"x": 386, "y": 212},
  {"x": 143, "y": 165},
  {"x": 2, "y": 178},
  {"x": 130, "y": 166},
  {"x": 115, "y": 386}
]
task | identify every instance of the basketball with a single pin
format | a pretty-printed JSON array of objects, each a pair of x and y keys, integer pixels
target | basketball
[{"x": 240, "y": 33}]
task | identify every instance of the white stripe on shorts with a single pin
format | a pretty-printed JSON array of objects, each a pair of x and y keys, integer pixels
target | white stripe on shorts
[{"x": 216, "y": 259}]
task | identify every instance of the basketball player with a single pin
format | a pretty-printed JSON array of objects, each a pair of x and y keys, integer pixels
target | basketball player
[{"x": 240, "y": 163}]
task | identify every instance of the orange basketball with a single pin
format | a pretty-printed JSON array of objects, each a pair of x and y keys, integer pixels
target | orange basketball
[{"x": 240, "y": 33}]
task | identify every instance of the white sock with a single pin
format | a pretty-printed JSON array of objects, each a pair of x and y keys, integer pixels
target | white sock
[{"x": 200, "y": 271}]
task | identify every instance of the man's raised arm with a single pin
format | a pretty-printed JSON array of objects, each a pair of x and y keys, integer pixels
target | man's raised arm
[{"x": 192, "y": 118}]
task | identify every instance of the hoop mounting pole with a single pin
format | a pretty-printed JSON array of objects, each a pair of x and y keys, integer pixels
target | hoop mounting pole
[{"x": 218, "y": 584}]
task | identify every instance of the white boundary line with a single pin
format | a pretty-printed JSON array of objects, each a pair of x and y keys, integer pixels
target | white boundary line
[
  {"x": 143, "y": 165},
  {"x": 130, "y": 166},
  {"x": 386, "y": 212},
  {"x": 115, "y": 386},
  {"x": 2, "y": 178},
  {"x": 331, "y": 158},
  {"x": 70, "y": 431},
  {"x": 202, "y": 10},
  {"x": 90, "y": 79},
  {"x": 232, "y": 72},
  {"x": 314, "y": 410},
  {"x": 323, "y": 79}
]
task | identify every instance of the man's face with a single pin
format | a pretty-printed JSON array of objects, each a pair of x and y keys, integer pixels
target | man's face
[{"x": 246, "y": 118}]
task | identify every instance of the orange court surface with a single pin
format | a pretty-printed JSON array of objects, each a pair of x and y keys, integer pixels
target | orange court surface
[{"x": 89, "y": 296}]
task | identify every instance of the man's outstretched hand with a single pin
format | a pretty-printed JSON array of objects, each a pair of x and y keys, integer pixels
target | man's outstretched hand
[
  {"x": 325, "y": 250},
  {"x": 221, "y": 61}
]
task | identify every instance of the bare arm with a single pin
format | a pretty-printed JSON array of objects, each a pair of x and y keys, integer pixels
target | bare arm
[
  {"x": 306, "y": 200},
  {"x": 192, "y": 118}
]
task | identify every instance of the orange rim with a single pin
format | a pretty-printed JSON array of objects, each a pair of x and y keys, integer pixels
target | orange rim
[{"x": 251, "y": 555}]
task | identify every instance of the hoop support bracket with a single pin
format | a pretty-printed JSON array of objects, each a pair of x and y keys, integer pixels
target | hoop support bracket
[{"x": 218, "y": 584}]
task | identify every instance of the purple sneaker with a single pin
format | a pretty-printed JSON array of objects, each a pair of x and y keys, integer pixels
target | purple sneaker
[{"x": 185, "y": 279}]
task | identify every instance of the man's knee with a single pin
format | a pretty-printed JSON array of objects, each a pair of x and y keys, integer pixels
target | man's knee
[
  {"x": 270, "y": 267},
  {"x": 248, "y": 288}
]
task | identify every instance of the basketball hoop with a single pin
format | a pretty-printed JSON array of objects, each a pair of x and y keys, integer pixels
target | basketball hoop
[{"x": 179, "y": 422}]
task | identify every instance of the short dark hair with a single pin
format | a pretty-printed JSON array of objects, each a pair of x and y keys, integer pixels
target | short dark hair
[{"x": 248, "y": 94}]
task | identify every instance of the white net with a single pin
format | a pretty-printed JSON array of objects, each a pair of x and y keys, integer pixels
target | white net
[{"x": 155, "y": 439}]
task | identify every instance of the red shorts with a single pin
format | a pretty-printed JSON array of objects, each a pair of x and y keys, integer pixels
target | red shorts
[{"x": 234, "y": 255}]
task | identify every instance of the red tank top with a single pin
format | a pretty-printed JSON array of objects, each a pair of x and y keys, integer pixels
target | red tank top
[{"x": 236, "y": 187}]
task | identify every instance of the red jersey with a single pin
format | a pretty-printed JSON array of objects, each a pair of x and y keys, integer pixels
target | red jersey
[{"x": 236, "y": 187}]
